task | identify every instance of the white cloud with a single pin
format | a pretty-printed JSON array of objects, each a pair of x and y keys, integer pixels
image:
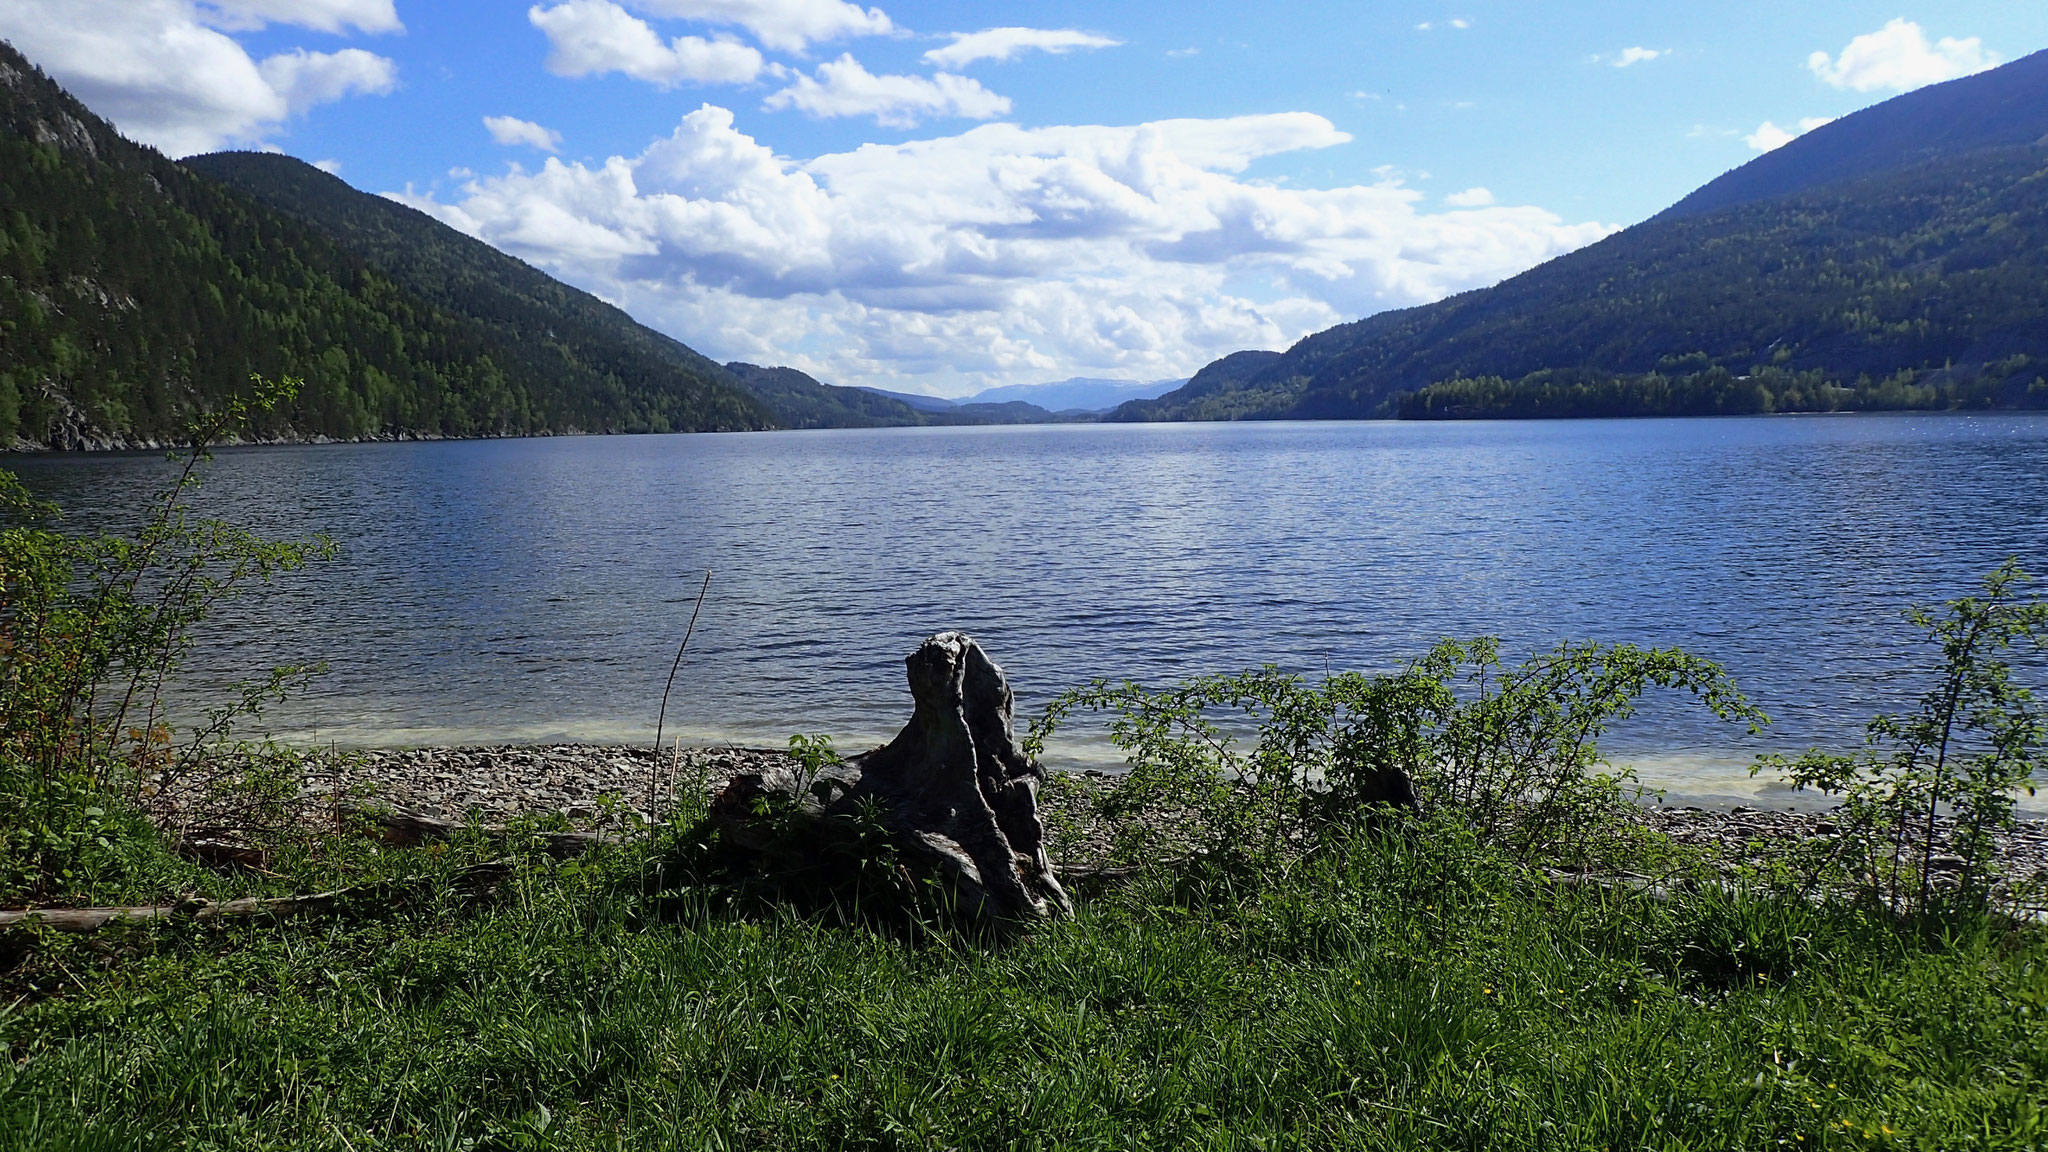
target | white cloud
[
  {"x": 997, "y": 255},
  {"x": 307, "y": 78},
  {"x": 511, "y": 131},
  {"x": 331, "y": 167},
  {"x": 1635, "y": 55},
  {"x": 1898, "y": 56},
  {"x": 1183, "y": 52},
  {"x": 1006, "y": 43},
  {"x": 1460, "y": 23},
  {"x": 319, "y": 15},
  {"x": 786, "y": 25},
  {"x": 843, "y": 88},
  {"x": 1470, "y": 198},
  {"x": 166, "y": 75},
  {"x": 592, "y": 37},
  {"x": 1768, "y": 137}
]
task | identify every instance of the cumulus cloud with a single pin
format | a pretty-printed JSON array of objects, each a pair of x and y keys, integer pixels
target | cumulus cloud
[
  {"x": 307, "y": 78},
  {"x": 785, "y": 25},
  {"x": 593, "y": 37},
  {"x": 166, "y": 74},
  {"x": 843, "y": 88},
  {"x": 1634, "y": 55},
  {"x": 511, "y": 131},
  {"x": 997, "y": 255},
  {"x": 1899, "y": 57},
  {"x": 1470, "y": 198},
  {"x": 1768, "y": 137},
  {"x": 1007, "y": 43}
]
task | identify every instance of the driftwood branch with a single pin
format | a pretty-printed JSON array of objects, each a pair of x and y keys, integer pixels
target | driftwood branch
[
  {"x": 402, "y": 829},
  {"x": 392, "y": 826},
  {"x": 381, "y": 896}
]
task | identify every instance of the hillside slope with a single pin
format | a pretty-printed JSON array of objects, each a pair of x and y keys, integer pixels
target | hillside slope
[
  {"x": 2006, "y": 107},
  {"x": 134, "y": 291},
  {"x": 550, "y": 327},
  {"x": 1909, "y": 286},
  {"x": 800, "y": 401}
]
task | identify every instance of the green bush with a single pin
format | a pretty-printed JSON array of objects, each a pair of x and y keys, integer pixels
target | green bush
[
  {"x": 92, "y": 630},
  {"x": 1509, "y": 752},
  {"x": 1974, "y": 743}
]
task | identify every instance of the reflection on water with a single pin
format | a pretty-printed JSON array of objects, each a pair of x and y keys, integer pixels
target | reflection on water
[{"x": 535, "y": 589}]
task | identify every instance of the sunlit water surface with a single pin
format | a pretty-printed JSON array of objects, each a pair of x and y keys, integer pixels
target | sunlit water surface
[{"x": 536, "y": 589}]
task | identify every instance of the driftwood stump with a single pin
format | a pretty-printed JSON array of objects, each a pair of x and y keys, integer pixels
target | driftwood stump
[{"x": 956, "y": 795}]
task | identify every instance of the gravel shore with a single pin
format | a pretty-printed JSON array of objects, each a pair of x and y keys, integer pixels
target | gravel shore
[{"x": 499, "y": 782}]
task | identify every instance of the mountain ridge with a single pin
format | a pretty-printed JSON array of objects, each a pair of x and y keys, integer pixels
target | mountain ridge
[
  {"x": 135, "y": 291},
  {"x": 1910, "y": 285}
]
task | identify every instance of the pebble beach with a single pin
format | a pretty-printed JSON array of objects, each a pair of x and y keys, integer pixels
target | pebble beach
[{"x": 585, "y": 782}]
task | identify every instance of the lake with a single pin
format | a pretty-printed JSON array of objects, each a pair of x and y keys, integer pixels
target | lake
[{"x": 529, "y": 590}]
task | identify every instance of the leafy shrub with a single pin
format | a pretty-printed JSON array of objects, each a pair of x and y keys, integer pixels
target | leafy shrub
[
  {"x": 1975, "y": 741},
  {"x": 1509, "y": 752},
  {"x": 92, "y": 630}
]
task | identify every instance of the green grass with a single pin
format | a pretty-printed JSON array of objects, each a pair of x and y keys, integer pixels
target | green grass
[{"x": 1387, "y": 997}]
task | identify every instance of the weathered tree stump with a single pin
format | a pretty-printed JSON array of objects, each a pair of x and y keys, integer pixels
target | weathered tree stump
[{"x": 955, "y": 795}]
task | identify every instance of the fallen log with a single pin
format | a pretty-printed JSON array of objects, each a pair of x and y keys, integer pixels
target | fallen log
[
  {"x": 383, "y": 894},
  {"x": 953, "y": 793}
]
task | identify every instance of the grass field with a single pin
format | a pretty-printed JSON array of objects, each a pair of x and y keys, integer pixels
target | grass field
[{"x": 1400, "y": 992}]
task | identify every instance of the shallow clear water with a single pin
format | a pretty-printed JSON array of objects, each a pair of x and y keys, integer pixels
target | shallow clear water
[{"x": 536, "y": 589}]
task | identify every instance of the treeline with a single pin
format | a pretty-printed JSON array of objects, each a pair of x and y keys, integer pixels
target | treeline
[
  {"x": 134, "y": 292},
  {"x": 1715, "y": 391}
]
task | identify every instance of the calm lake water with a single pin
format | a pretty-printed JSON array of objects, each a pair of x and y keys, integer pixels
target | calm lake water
[{"x": 536, "y": 589}]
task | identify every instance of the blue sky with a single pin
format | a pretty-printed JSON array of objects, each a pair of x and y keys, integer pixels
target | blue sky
[{"x": 942, "y": 197}]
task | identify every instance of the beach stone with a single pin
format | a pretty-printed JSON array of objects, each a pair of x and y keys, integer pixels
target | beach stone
[{"x": 956, "y": 794}]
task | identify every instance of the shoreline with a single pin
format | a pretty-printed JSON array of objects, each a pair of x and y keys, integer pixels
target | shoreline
[{"x": 503, "y": 781}]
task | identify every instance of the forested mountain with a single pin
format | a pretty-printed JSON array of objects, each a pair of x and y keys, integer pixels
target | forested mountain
[
  {"x": 134, "y": 290},
  {"x": 1914, "y": 284},
  {"x": 2002, "y": 108}
]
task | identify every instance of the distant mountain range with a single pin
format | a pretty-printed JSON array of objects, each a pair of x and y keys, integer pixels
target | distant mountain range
[
  {"x": 1894, "y": 258},
  {"x": 135, "y": 291},
  {"x": 1072, "y": 397}
]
